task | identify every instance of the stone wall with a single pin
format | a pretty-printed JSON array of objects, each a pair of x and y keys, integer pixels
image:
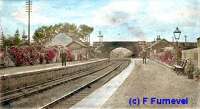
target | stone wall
[{"x": 17, "y": 81}]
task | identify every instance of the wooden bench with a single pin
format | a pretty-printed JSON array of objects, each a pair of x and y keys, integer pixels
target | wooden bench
[{"x": 180, "y": 68}]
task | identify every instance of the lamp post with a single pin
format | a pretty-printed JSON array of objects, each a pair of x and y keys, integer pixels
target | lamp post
[
  {"x": 100, "y": 37},
  {"x": 185, "y": 40},
  {"x": 100, "y": 43},
  {"x": 177, "y": 34}
]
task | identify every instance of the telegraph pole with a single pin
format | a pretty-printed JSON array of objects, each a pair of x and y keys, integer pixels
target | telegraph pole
[
  {"x": 1, "y": 39},
  {"x": 3, "y": 47},
  {"x": 1, "y": 36},
  {"x": 29, "y": 10}
]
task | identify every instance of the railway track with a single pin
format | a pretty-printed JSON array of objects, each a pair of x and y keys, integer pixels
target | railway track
[
  {"x": 70, "y": 101},
  {"x": 12, "y": 95},
  {"x": 48, "y": 94}
]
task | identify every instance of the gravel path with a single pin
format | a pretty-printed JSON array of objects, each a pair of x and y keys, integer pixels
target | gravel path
[{"x": 154, "y": 80}]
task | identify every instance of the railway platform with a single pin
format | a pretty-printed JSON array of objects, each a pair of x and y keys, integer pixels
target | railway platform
[
  {"x": 39, "y": 67},
  {"x": 143, "y": 80}
]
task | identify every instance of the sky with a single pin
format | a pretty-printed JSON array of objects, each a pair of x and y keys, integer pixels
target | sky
[{"x": 118, "y": 20}]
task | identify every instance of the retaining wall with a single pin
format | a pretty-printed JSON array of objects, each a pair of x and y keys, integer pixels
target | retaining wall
[{"x": 16, "y": 81}]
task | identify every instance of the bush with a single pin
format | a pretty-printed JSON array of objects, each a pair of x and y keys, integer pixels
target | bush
[
  {"x": 30, "y": 55},
  {"x": 24, "y": 55},
  {"x": 51, "y": 54},
  {"x": 69, "y": 55},
  {"x": 166, "y": 57}
]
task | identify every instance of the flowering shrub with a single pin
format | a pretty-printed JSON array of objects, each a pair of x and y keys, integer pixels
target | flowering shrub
[
  {"x": 166, "y": 57},
  {"x": 69, "y": 55},
  {"x": 32, "y": 55},
  {"x": 24, "y": 55},
  {"x": 51, "y": 54}
]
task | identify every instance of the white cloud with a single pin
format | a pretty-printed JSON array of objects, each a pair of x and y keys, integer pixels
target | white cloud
[
  {"x": 128, "y": 6},
  {"x": 36, "y": 17},
  {"x": 137, "y": 32},
  {"x": 1, "y": 4},
  {"x": 162, "y": 10},
  {"x": 170, "y": 11},
  {"x": 116, "y": 12}
]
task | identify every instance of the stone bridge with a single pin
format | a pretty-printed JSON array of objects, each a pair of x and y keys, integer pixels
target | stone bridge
[{"x": 107, "y": 47}]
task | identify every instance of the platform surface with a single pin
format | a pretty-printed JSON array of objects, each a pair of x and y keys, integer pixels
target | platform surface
[
  {"x": 145, "y": 80},
  {"x": 101, "y": 95},
  {"x": 24, "y": 69}
]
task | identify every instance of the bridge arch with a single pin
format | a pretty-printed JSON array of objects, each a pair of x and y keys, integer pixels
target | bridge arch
[{"x": 121, "y": 52}]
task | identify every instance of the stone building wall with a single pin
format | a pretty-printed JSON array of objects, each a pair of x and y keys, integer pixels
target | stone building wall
[
  {"x": 194, "y": 54},
  {"x": 191, "y": 54}
]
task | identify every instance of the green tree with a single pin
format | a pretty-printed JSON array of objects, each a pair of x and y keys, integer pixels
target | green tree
[
  {"x": 69, "y": 28},
  {"x": 40, "y": 34},
  {"x": 8, "y": 41},
  {"x": 85, "y": 31},
  {"x": 58, "y": 28},
  {"x": 72, "y": 28},
  {"x": 46, "y": 33},
  {"x": 17, "y": 39}
]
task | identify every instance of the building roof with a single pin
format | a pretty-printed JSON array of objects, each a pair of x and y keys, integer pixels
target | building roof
[
  {"x": 77, "y": 42},
  {"x": 59, "y": 39},
  {"x": 63, "y": 39},
  {"x": 160, "y": 41}
]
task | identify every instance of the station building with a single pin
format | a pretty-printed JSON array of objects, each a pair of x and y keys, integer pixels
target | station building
[{"x": 78, "y": 48}]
